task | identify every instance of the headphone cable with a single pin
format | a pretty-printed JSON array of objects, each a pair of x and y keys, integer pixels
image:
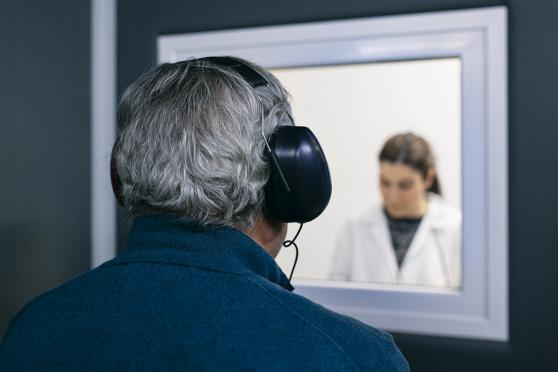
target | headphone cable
[{"x": 288, "y": 243}]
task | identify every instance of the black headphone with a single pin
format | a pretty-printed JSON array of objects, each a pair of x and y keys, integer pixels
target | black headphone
[{"x": 299, "y": 187}]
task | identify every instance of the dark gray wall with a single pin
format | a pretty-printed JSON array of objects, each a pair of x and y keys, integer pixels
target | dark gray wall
[
  {"x": 533, "y": 130},
  {"x": 44, "y": 147}
]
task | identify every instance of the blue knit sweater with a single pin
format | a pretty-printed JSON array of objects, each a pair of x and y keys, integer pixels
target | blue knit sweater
[{"x": 185, "y": 298}]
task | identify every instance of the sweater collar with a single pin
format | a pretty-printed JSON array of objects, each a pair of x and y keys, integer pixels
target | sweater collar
[{"x": 177, "y": 240}]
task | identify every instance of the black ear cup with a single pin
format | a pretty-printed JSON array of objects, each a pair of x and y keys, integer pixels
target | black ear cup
[
  {"x": 114, "y": 179},
  {"x": 299, "y": 187}
]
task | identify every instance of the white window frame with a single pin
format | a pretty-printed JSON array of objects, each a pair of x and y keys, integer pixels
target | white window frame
[
  {"x": 479, "y": 38},
  {"x": 103, "y": 129}
]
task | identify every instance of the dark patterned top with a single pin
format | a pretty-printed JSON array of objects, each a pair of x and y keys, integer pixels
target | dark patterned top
[{"x": 402, "y": 231}]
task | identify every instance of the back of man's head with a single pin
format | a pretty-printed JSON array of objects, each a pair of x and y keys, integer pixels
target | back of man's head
[{"x": 191, "y": 142}]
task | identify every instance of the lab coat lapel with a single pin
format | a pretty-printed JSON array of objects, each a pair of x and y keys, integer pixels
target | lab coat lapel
[
  {"x": 379, "y": 230},
  {"x": 422, "y": 240},
  {"x": 419, "y": 243}
]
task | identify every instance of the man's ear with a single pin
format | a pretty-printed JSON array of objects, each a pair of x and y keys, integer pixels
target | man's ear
[
  {"x": 270, "y": 221},
  {"x": 268, "y": 216}
]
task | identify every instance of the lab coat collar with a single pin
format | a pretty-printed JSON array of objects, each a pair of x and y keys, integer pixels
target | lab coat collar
[{"x": 435, "y": 218}]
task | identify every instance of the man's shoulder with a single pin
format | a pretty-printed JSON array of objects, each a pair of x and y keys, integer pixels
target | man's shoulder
[
  {"x": 41, "y": 306},
  {"x": 365, "y": 347},
  {"x": 250, "y": 308}
]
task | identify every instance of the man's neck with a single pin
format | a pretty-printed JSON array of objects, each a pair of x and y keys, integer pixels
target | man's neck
[{"x": 269, "y": 236}]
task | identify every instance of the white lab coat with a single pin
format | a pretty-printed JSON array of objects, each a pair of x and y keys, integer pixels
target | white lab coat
[{"x": 365, "y": 253}]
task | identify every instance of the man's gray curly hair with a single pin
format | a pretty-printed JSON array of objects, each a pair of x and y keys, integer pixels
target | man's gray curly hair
[{"x": 191, "y": 142}]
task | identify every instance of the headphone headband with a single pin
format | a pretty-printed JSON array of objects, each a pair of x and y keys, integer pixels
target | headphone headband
[
  {"x": 256, "y": 80},
  {"x": 253, "y": 77},
  {"x": 299, "y": 188}
]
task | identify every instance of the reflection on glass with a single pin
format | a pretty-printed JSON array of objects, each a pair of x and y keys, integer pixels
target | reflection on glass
[{"x": 354, "y": 109}]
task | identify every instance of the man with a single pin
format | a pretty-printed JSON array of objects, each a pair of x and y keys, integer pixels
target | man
[{"x": 197, "y": 287}]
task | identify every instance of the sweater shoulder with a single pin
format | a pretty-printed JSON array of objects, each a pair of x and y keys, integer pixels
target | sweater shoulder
[{"x": 364, "y": 346}]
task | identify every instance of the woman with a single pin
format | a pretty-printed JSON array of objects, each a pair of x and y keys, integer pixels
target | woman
[{"x": 415, "y": 236}]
